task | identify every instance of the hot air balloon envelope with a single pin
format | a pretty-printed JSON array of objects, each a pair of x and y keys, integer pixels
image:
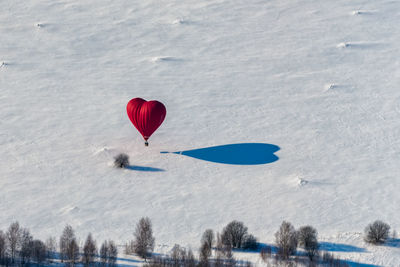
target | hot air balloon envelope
[{"x": 146, "y": 116}]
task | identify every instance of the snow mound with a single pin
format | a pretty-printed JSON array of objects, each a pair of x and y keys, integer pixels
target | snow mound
[
  {"x": 164, "y": 59},
  {"x": 343, "y": 45},
  {"x": 361, "y": 12},
  {"x": 331, "y": 86},
  {"x": 180, "y": 21},
  {"x": 302, "y": 182}
]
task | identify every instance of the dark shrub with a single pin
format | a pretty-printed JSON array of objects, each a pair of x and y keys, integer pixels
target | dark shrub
[{"x": 121, "y": 161}]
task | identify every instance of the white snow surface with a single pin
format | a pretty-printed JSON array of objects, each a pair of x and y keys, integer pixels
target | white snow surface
[{"x": 319, "y": 79}]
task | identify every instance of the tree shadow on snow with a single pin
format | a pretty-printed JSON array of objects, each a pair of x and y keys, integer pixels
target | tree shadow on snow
[
  {"x": 336, "y": 247},
  {"x": 258, "y": 249},
  {"x": 143, "y": 169},
  {"x": 359, "y": 264},
  {"x": 392, "y": 242},
  {"x": 128, "y": 260},
  {"x": 235, "y": 154},
  {"x": 331, "y": 247}
]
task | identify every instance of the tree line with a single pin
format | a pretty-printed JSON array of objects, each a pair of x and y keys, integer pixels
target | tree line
[{"x": 19, "y": 248}]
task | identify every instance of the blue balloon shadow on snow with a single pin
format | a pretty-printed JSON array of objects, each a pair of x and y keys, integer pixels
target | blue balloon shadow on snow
[{"x": 235, "y": 154}]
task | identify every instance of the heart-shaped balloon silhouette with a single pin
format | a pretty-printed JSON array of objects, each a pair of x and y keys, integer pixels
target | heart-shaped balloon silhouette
[{"x": 146, "y": 116}]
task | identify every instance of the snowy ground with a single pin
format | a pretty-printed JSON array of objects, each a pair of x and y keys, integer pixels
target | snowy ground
[{"x": 318, "y": 79}]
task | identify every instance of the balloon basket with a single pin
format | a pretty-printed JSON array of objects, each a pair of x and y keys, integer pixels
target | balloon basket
[{"x": 146, "y": 143}]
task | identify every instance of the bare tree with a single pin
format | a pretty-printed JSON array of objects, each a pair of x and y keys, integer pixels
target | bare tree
[
  {"x": 308, "y": 239},
  {"x": 66, "y": 238},
  {"x": 233, "y": 234},
  {"x": 13, "y": 237},
  {"x": 219, "y": 249},
  {"x": 205, "y": 253},
  {"x": 229, "y": 259},
  {"x": 181, "y": 257},
  {"x": 286, "y": 240},
  {"x": 39, "y": 252},
  {"x": 104, "y": 253},
  {"x": 3, "y": 248},
  {"x": 51, "y": 245},
  {"x": 144, "y": 240},
  {"x": 26, "y": 246},
  {"x": 190, "y": 260},
  {"x": 377, "y": 232},
  {"x": 69, "y": 249},
  {"x": 73, "y": 252},
  {"x": 178, "y": 255},
  {"x": 89, "y": 251},
  {"x": 207, "y": 241},
  {"x": 266, "y": 253},
  {"x": 208, "y": 238},
  {"x": 112, "y": 253},
  {"x": 223, "y": 253}
]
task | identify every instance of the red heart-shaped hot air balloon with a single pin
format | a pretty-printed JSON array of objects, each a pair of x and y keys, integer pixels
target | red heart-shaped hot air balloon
[{"x": 146, "y": 116}]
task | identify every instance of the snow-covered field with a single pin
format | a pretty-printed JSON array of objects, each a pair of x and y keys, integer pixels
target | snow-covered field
[{"x": 318, "y": 79}]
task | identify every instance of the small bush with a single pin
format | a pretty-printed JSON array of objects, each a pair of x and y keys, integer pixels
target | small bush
[
  {"x": 377, "y": 232},
  {"x": 121, "y": 161}
]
